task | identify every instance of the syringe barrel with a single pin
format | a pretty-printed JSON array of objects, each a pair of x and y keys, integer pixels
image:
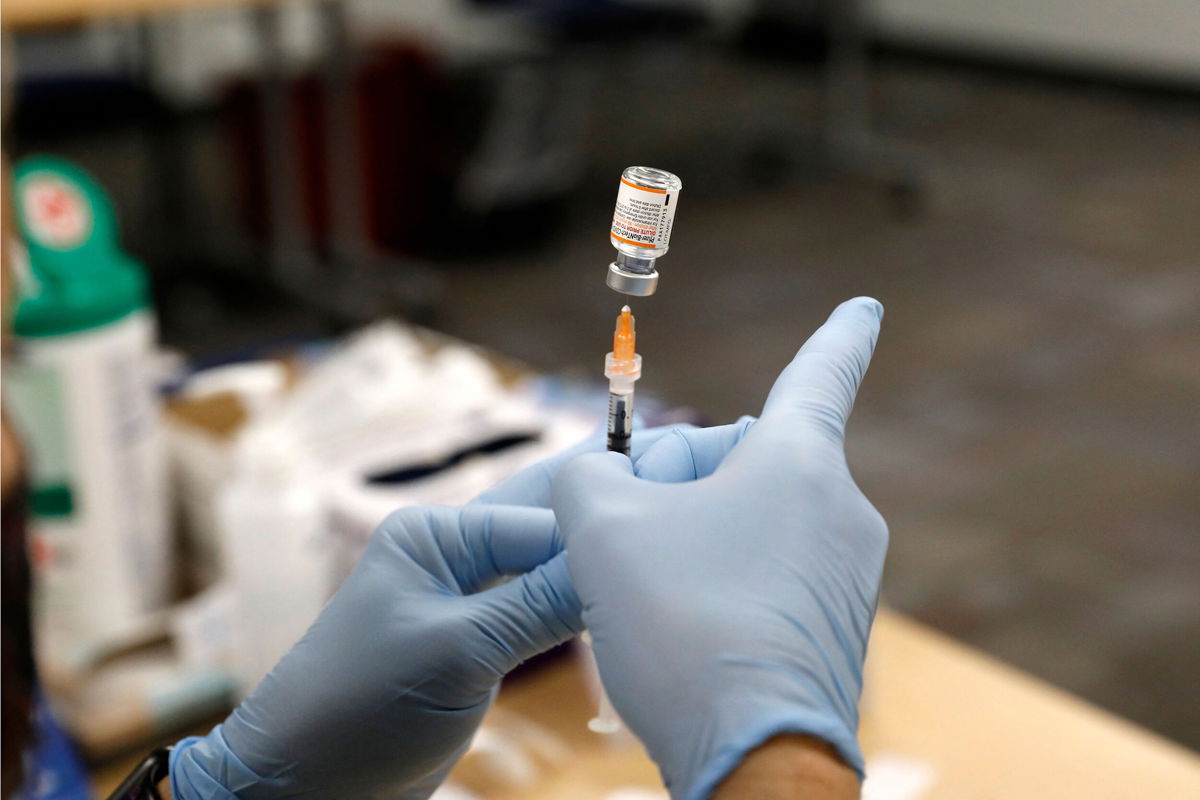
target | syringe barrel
[
  {"x": 621, "y": 374},
  {"x": 620, "y": 420}
]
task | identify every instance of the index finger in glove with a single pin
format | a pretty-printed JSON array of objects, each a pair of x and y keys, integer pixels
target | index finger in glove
[
  {"x": 470, "y": 547},
  {"x": 688, "y": 454},
  {"x": 531, "y": 486}
]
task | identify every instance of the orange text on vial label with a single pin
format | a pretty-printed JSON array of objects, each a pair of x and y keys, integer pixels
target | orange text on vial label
[{"x": 643, "y": 216}]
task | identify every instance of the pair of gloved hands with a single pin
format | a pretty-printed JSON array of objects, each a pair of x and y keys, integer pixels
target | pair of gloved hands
[{"x": 728, "y": 576}]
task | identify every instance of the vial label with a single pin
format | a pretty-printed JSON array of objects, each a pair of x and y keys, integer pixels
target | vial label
[{"x": 643, "y": 216}]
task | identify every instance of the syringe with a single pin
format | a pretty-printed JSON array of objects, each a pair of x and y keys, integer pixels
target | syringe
[
  {"x": 641, "y": 232},
  {"x": 606, "y": 720},
  {"x": 622, "y": 367}
]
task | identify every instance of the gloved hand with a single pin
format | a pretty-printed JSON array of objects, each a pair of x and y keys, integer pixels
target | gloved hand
[
  {"x": 383, "y": 694},
  {"x": 730, "y": 586}
]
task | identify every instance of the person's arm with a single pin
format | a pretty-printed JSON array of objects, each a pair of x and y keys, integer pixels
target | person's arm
[
  {"x": 729, "y": 578},
  {"x": 788, "y": 767}
]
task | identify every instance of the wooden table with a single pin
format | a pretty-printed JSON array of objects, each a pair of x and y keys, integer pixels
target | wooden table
[
  {"x": 992, "y": 731},
  {"x": 985, "y": 729},
  {"x": 25, "y": 14}
]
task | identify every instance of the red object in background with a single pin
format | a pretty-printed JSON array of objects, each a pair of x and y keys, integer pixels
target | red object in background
[
  {"x": 401, "y": 133},
  {"x": 241, "y": 110},
  {"x": 405, "y": 136}
]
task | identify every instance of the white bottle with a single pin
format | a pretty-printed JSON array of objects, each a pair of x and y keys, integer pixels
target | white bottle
[
  {"x": 80, "y": 386},
  {"x": 272, "y": 522}
]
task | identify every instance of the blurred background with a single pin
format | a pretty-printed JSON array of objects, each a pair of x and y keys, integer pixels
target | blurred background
[{"x": 1018, "y": 183}]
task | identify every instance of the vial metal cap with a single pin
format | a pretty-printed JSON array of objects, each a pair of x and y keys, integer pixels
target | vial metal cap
[{"x": 637, "y": 284}]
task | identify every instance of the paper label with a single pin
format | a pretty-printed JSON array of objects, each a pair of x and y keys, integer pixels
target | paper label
[
  {"x": 643, "y": 216},
  {"x": 57, "y": 213}
]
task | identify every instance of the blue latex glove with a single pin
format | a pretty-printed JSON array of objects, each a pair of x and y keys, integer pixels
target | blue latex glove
[
  {"x": 531, "y": 486},
  {"x": 384, "y": 692},
  {"x": 730, "y": 586}
]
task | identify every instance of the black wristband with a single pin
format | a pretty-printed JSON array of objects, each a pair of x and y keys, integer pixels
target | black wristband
[{"x": 142, "y": 783}]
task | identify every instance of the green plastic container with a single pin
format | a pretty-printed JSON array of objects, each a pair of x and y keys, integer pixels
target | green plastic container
[{"x": 78, "y": 277}]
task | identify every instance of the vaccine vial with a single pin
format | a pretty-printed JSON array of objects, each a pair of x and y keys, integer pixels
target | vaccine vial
[{"x": 641, "y": 228}]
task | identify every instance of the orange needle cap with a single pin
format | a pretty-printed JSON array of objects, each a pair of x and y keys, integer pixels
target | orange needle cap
[{"x": 623, "y": 337}]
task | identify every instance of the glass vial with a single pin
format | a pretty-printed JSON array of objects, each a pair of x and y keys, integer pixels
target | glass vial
[{"x": 641, "y": 227}]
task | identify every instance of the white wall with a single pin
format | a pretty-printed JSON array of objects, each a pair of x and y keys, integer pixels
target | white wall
[{"x": 1143, "y": 37}]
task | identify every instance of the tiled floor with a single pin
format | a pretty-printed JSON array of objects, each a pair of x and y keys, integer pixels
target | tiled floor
[{"x": 1031, "y": 424}]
